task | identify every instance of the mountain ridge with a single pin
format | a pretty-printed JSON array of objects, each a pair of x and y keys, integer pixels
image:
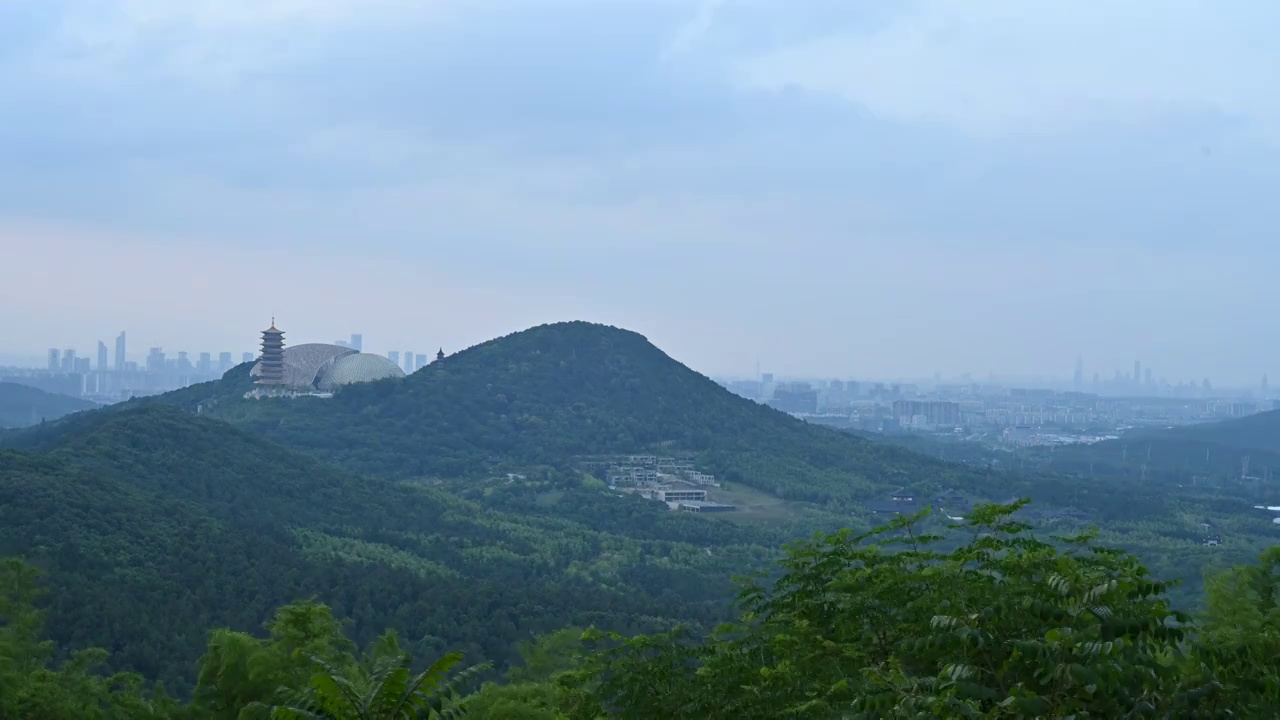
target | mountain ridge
[
  {"x": 23, "y": 406},
  {"x": 557, "y": 391}
]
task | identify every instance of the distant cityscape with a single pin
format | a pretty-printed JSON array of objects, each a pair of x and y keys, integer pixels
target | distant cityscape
[
  {"x": 995, "y": 412},
  {"x": 109, "y": 376},
  {"x": 1003, "y": 414}
]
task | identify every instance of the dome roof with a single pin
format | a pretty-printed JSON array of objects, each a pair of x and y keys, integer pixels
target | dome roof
[
  {"x": 357, "y": 368},
  {"x": 305, "y": 363}
]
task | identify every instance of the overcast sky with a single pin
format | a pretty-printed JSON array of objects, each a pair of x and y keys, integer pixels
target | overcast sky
[{"x": 831, "y": 187}]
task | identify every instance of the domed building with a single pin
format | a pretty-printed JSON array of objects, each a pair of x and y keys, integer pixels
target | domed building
[
  {"x": 356, "y": 368},
  {"x": 321, "y": 367}
]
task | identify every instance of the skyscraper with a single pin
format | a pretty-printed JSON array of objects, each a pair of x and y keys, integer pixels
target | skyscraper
[
  {"x": 246, "y": 357},
  {"x": 205, "y": 365},
  {"x": 69, "y": 360},
  {"x": 155, "y": 360},
  {"x": 357, "y": 342},
  {"x": 1137, "y": 373},
  {"x": 120, "y": 351},
  {"x": 1078, "y": 380},
  {"x": 53, "y": 359},
  {"x": 224, "y": 361},
  {"x": 419, "y": 361},
  {"x": 408, "y": 361},
  {"x": 102, "y": 356},
  {"x": 394, "y": 356}
]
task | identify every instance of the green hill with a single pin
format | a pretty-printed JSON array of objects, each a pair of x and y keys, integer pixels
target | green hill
[
  {"x": 554, "y": 392},
  {"x": 1255, "y": 432},
  {"x": 155, "y": 524},
  {"x": 23, "y": 406}
]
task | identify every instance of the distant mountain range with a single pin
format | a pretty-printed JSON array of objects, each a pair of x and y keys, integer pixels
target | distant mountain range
[{"x": 23, "y": 406}]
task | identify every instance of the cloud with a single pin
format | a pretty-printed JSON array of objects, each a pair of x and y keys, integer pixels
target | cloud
[
  {"x": 822, "y": 176},
  {"x": 992, "y": 68}
]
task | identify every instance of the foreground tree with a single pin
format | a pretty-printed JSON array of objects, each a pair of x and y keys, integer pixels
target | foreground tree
[
  {"x": 1239, "y": 636},
  {"x": 888, "y": 625},
  {"x": 379, "y": 687},
  {"x": 31, "y": 688}
]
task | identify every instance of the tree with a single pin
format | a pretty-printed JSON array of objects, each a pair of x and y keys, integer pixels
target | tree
[
  {"x": 886, "y": 624},
  {"x": 31, "y": 689},
  {"x": 380, "y": 687},
  {"x": 1240, "y": 636}
]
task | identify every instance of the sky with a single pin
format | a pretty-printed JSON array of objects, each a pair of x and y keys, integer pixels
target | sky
[{"x": 823, "y": 187}]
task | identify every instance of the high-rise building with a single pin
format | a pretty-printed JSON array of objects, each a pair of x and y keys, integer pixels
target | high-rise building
[
  {"x": 224, "y": 361},
  {"x": 272, "y": 363},
  {"x": 419, "y": 361},
  {"x": 102, "y": 356},
  {"x": 120, "y": 351},
  {"x": 1149, "y": 379},
  {"x": 81, "y": 365},
  {"x": 246, "y": 357},
  {"x": 184, "y": 364},
  {"x": 394, "y": 356},
  {"x": 155, "y": 360},
  {"x": 1137, "y": 372},
  {"x": 1078, "y": 379},
  {"x": 205, "y": 365},
  {"x": 69, "y": 360},
  {"x": 408, "y": 361},
  {"x": 357, "y": 342},
  {"x": 54, "y": 358}
]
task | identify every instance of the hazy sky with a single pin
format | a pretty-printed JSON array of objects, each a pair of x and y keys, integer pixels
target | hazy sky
[{"x": 834, "y": 187}]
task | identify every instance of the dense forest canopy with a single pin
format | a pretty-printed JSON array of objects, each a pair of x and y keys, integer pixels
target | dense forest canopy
[
  {"x": 153, "y": 524},
  {"x": 880, "y": 625}
]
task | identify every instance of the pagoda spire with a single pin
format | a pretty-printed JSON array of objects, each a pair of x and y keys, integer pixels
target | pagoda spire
[{"x": 271, "y": 363}]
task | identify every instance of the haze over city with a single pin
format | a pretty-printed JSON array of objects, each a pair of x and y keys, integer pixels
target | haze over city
[{"x": 839, "y": 191}]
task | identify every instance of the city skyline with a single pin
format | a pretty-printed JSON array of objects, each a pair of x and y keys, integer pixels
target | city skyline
[{"x": 1083, "y": 378}]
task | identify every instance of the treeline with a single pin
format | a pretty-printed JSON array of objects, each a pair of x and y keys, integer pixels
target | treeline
[{"x": 881, "y": 625}]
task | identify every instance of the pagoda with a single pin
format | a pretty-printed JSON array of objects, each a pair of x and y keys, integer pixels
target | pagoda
[{"x": 271, "y": 364}]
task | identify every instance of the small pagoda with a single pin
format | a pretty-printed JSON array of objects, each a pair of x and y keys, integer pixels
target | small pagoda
[{"x": 271, "y": 364}]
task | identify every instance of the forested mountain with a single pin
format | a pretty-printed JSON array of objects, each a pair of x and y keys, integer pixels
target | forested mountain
[
  {"x": 548, "y": 394},
  {"x": 155, "y": 524},
  {"x": 1254, "y": 432},
  {"x": 22, "y": 406}
]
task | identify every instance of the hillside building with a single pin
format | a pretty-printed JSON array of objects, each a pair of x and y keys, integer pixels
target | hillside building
[
  {"x": 314, "y": 368},
  {"x": 271, "y": 365}
]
